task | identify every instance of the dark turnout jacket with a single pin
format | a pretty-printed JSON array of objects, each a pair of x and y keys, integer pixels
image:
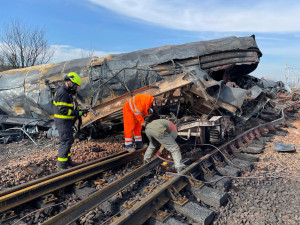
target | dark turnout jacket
[{"x": 63, "y": 104}]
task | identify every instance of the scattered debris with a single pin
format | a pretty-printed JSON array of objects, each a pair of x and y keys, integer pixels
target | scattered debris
[
  {"x": 34, "y": 169},
  {"x": 284, "y": 147}
]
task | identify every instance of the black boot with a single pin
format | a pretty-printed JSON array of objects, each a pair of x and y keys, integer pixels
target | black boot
[
  {"x": 140, "y": 145},
  {"x": 72, "y": 163}
]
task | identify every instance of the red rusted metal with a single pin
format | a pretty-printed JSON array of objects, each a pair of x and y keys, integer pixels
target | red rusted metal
[
  {"x": 116, "y": 104},
  {"x": 285, "y": 123},
  {"x": 251, "y": 136},
  {"x": 233, "y": 148},
  {"x": 271, "y": 128},
  {"x": 227, "y": 154},
  {"x": 278, "y": 127},
  {"x": 257, "y": 133},
  {"x": 263, "y": 130},
  {"x": 246, "y": 139},
  {"x": 240, "y": 144}
]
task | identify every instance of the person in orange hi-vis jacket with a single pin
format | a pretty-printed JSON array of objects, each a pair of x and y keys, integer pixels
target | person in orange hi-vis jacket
[{"x": 134, "y": 112}]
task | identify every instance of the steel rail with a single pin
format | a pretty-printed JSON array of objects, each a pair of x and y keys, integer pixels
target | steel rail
[
  {"x": 141, "y": 212},
  {"x": 24, "y": 195},
  {"x": 31, "y": 183},
  {"x": 73, "y": 213},
  {"x": 20, "y": 195},
  {"x": 265, "y": 125}
]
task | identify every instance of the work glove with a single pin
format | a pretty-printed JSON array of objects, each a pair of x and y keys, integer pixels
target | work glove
[{"x": 83, "y": 112}]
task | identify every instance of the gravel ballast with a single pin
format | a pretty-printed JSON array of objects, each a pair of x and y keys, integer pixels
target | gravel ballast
[{"x": 273, "y": 200}]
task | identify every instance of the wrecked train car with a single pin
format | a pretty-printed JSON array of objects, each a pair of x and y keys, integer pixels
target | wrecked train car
[
  {"x": 27, "y": 92},
  {"x": 199, "y": 78}
]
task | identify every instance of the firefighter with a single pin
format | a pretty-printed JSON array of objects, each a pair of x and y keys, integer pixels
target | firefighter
[
  {"x": 64, "y": 114},
  {"x": 164, "y": 132},
  {"x": 134, "y": 112}
]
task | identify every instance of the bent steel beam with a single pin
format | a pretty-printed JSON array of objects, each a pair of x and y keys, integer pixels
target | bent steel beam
[{"x": 158, "y": 88}]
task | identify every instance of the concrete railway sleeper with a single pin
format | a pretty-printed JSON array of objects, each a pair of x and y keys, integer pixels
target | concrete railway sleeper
[{"x": 205, "y": 180}]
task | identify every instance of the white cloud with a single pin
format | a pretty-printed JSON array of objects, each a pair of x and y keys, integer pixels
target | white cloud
[
  {"x": 212, "y": 15},
  {"x": 66, "y": 52}
]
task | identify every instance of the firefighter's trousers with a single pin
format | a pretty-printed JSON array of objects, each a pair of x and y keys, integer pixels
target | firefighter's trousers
[
  {"x": 65, "y": 130},
  {"x": 131, "y": 126},
  {"x": 155, "y": 138}
]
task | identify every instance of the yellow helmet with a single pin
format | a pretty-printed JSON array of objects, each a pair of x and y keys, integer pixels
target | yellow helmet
[{"x": 75, "y": 78}]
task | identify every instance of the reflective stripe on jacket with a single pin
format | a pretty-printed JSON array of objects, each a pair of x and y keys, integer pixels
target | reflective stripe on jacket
[
  {"x": 63, "y": 104},
  {"x": 139, "y": 106},
  {"x": 134, "y": 109}
]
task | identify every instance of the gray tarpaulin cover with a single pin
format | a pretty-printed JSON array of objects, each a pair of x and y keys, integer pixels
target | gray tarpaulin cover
[{"x": 28, "y": 92}]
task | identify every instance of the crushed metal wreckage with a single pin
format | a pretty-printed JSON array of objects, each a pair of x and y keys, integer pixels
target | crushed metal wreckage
[
  {"x": 204, "y": 85},
  {"x": 14, "y": 128}
]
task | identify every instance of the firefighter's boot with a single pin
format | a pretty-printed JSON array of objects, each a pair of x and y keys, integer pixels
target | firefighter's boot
[
  {"x": 130, "y": 148},
  {"x": 140, "y": 145}
]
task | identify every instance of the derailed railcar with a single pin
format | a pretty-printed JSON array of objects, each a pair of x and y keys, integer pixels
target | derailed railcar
[
  {"x": 27, "y": 92},
  {"x": 205, "y": 78}
]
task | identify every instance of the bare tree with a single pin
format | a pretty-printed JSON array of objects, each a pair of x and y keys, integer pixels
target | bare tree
[
  {"x": 23, "y": 46},
  {"x": 85, "y": 54}
]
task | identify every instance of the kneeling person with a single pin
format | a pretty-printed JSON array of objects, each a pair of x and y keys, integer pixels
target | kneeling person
[{"x": 164, "y": 132}]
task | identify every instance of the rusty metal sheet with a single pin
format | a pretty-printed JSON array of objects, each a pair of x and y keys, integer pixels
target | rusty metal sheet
[{"x": 156, "y": 89}]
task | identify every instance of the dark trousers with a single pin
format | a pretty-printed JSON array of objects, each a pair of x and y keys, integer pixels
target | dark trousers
[{"x": 65, "y": 130}]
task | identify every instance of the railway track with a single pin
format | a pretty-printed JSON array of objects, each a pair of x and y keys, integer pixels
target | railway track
[{"x": 227, "y": 160}]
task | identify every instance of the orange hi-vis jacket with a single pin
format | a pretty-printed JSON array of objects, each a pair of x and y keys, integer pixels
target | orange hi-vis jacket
[{"x": 134, "y": 112}]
